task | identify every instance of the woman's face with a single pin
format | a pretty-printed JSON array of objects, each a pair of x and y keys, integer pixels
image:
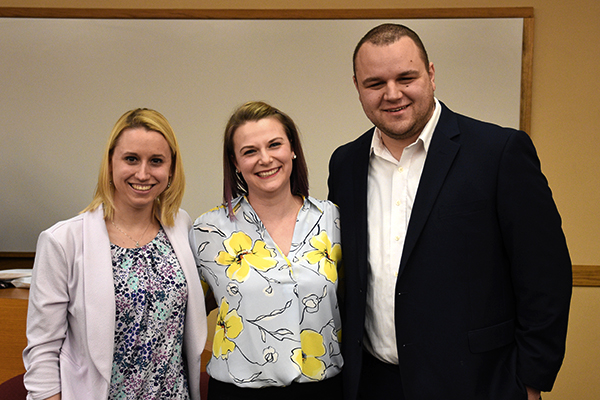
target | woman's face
[
  {"x": 263, "y": 155},
  {"x": 140, "y": 168}
]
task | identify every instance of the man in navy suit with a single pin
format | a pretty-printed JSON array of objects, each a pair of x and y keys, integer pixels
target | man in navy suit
[{"x": 456, "y": 270}]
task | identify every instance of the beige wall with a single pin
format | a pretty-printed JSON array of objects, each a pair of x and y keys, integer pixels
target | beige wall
[{"x": 565, "y": 120}]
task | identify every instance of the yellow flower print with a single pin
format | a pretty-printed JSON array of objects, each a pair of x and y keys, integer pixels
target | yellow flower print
[
  {"x": 229, "y": 326},
  {"x": 325, "y": 255},
  {"x": 311, "y": 347},
  {"x": 241, "y": 255}
]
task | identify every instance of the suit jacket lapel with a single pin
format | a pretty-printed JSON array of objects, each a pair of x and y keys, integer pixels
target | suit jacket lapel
[
  {"x": 99, "y": 291},
  {"x": 441, "y": 154},
  {"x": 358, "y": 193}
]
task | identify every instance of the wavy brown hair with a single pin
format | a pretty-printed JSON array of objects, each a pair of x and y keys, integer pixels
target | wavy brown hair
[{"x": 234, "y": 184}]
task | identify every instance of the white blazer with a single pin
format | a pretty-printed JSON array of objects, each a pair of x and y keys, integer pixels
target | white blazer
[{"x": 71, "y": 314}]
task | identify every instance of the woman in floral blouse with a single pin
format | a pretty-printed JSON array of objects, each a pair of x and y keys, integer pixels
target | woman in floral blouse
[{"x": 270, "y": 256}]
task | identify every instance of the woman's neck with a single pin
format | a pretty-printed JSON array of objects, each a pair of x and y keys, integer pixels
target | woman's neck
[
  {"x": 276, "y": 206},
  {"x": 278, "y": 216},
  {"x": 133, "y": 218},
  {"x": 133, "y": 228}
]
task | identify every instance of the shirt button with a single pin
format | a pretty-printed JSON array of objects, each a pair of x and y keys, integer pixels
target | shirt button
[
  {"x": 398, "y": 203},
  {"x": 397, "y": 238},
  {"x": 401, "y": 169}
]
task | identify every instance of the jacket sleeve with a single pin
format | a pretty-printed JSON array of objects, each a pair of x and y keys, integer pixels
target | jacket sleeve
[
  {"x": 46, "y": 318},
  {"x": 539, "y": 259}
]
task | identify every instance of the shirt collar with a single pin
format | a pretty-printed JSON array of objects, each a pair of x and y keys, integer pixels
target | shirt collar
[
  {"x": 307, "y": 203},
  {"x": 379, "y": 149}
]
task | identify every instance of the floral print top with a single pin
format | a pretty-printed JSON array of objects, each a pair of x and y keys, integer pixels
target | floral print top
[
  {"x": 278, "y": 320},
  {"x": 151, "y": 299}
]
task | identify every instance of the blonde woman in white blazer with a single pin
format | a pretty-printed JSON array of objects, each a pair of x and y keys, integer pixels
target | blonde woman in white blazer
[{"x": 116, "y": 309}]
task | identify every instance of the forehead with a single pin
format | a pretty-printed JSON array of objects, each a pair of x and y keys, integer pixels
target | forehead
[
  {"x": 141, "y": 140},
  {"x": 402, "y": 55},
  {"x": 264, "y": 129}
]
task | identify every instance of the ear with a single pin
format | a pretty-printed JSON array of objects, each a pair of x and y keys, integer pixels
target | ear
[
  {"x": 432, "y": 75},
  {"x": 355, "y": 82}
]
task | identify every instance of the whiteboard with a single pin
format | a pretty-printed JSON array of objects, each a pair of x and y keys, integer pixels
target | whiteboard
[{"x": 65, "y": 82}]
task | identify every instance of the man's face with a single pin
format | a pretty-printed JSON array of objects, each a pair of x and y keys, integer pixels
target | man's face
[{"x": 395, "y": 88}]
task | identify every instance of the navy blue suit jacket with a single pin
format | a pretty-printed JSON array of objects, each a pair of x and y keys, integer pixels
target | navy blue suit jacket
[{"x": 484, "y": 285}]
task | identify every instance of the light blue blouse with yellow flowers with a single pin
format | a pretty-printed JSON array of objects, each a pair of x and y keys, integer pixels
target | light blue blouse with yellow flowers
[{"x": 278, "y": 320}]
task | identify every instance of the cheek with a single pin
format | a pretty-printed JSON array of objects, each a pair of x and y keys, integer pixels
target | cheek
[
  {"x": 370, "y": 100},
  {"x": 167, "y": 171}
]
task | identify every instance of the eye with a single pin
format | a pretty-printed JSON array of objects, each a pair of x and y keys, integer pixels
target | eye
[
  {"x": 374, "y": 85},
  {"x": 407, "y": 78},
  {"x": 275, "y": 144},
  {"x": 248, "y": 152},
  {"x": 130, "y": 159},
  {"x": 157, "y": 161}
]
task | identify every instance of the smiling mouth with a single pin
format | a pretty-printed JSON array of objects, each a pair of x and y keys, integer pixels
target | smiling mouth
[
  {"x": 140, "y": 187},
  {"x": 397, "y": 109},
  {"x": 266, "y": 174}
]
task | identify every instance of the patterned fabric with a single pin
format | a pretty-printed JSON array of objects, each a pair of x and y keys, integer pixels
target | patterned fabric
[
  {"x": 278, "y": 319},
  {"x": 151, "y": 298}
]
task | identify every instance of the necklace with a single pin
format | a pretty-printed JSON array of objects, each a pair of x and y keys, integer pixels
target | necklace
[{"x": 137, "y": 242}]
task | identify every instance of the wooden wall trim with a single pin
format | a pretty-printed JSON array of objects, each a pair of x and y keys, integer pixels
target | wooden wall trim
[
  {"x": 16, "y": 260},
  {"x": 586, "y": 275},
  {"x": 526, "y": 75},
  {"x": 17, "y": 254},
  {"x": 154, "y": 13},
  {"x": 583, "y": 275}
]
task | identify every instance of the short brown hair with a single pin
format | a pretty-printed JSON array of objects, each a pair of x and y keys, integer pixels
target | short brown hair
[{"x": 386, "y": 34}]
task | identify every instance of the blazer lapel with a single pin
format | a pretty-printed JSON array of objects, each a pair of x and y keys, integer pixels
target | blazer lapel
[
  {"x": 358, "y": 194},
  {"x": 195, "y": 319},
  {"x": 441, "y": 154},
  {"x": 99, "y": 291}
]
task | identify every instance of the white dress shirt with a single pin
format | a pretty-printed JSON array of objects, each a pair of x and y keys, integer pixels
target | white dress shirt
[{"x": 392, "y": 187}]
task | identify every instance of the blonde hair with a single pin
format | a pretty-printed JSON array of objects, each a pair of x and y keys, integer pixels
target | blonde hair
[{"x": 168, "y": 202}]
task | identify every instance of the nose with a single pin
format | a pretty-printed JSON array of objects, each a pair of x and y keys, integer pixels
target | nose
[
  {"x": 392, "y": 91},
  {"x": 264, "y": 157},
  {"x": 143, "y": 172}
]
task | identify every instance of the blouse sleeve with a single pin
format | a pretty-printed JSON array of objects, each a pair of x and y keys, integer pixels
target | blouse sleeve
[{"x": 196, "y": 243}]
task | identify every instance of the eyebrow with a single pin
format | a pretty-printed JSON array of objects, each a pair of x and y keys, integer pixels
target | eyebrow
[
  {"x": 251, "y": 146},
  {"x": 133, "y": 153}
]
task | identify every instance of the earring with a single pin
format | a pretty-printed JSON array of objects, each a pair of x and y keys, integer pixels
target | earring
[
  {"x": 294, "y": 157},
  {"x": 169, "y": 184}
]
